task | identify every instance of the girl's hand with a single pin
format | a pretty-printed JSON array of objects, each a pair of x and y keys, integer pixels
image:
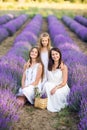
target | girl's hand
[
  {"x": 23, "y": 87},
  {"x": 53, "y": 90},
  {"x": 27, "y": 64}
]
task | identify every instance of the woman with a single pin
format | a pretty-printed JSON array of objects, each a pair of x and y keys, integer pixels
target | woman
[
  {"x": 56, "y": 87},
  {"x": 32, "y": 77}
]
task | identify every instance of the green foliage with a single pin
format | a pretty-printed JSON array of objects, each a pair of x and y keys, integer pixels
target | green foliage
[
  {"x": 37, "y": 93},
  {"x": 75, "y": 1},
  {"x": 65, "y": 120}
]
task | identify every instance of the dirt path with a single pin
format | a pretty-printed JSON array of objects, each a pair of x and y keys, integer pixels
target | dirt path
[{"x": 35, "y": 119}]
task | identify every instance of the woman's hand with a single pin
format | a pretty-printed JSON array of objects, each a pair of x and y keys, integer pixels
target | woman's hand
[
  {"x": 53, "y": 90},
  {"x": 27, "y": 64}
]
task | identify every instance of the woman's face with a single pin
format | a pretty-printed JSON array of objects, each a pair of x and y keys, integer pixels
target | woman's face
[
  {"x": 55, "y": 55},
  {"x": 44, "y": 41},
  {"x": 34, "y": 53}
]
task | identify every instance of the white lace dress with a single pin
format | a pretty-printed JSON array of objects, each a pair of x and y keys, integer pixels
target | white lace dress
[
  {"x": 58, "y": 100},
  {"x": 28, "y": 91},
  {"x": 44, "y": 58}
]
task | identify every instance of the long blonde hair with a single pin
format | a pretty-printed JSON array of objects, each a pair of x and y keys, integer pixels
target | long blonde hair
[{"x": 45, "y": 34}]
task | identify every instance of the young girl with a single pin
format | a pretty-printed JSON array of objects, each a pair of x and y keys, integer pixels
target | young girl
[
  {"x": 56, "y": 86},
  {"x": 32, "y": 77}
]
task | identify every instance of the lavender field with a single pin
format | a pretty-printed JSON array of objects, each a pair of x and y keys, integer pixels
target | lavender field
[{"x": 18, "y": 33}]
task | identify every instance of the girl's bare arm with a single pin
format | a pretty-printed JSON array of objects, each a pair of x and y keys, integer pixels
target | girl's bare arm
[{"x": 38, "y": 75}]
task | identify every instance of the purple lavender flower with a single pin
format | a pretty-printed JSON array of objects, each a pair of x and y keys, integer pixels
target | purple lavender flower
[
  {"x": 15, "y": 24},
  {"x": 83, "y": 124},
  {"x": 9, "y": 109},
  {"x": 3, "y": 34},
  {"x": 82, "y": 20},
  {"x": 31, "y": 31},
  {"x": 5, "y": 18},
  {"x": 79, "y": 29}
]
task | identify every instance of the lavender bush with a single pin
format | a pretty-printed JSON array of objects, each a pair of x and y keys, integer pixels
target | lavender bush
[
  {"x": 5, "y": 18},
  {"x": 82, "y": 20},
  {"x": 79, "y": 29},
  {"x": 83, "y": 124},
  {"x": 11, "y": 69},
  {"x": 8, "y": 109},
  {"x": 31, "y": 31},
  {"x": 15, "y": 24},
  {"x": 3, "y": 34},
  {"x": 83, "y": 113}
]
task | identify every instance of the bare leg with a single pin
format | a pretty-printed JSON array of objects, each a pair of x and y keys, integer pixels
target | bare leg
[{"x": 21, "y": 100}]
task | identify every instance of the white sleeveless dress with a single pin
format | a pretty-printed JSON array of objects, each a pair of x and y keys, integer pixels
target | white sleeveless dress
[
  {"x": 58, "y": 100},
  {"x": 28, "y": 91},
  {"x": 44, "y": 58}
]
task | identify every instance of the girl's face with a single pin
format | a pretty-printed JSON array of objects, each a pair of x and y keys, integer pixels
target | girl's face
[
  {"x": 44, "y": 41},
  {"x": 55, "y": 55},
  {"x": 34, "y": 53}
]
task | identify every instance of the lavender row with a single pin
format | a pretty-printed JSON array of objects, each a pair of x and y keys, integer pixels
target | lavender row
[
  {"x": 76, "y": 62},
  {"x": 54, "y": 24},
  {"x": 12, "y": 26},
  {"x": 82, "y": 20},
  {"x": 31, "y": 32},
  {"x": 11, "y": 69},
  {"x": 76, "y": 27},
  {"x": 5, "y": 18},
  {"x": 15, "y": 24}
]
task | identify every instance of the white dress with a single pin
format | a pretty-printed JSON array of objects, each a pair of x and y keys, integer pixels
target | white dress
[
  {"x": 58, "y": 100},
  {"x": 28, "y": 91},
  {"x": 44, "y": 58}
]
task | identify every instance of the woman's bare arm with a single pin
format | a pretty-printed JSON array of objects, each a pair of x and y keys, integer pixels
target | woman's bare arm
[{"x": 65, "y": 77}]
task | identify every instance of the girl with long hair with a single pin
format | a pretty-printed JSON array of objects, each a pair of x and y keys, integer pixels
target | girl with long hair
[{"x": 32, "y": 77}]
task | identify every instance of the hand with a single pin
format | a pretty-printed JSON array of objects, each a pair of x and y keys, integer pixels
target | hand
[
  {"x": 28, "y": 64},
  {"x": 53, "y": 91}
]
